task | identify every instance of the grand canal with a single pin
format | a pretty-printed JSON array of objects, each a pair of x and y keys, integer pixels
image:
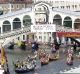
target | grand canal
[{"x": 53, "y": 67}]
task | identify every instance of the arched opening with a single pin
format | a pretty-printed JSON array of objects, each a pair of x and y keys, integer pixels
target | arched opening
[
  {"x": 67, "y": 22},
  {"x": 57, "y": 20},
  {"x": 16, "y": 23},
  {"x": 26, "y": 20},
  {"x": 42, "y": 14},
  {"x": 77, "y": 24},
  {"x": 6, "y": 26}
]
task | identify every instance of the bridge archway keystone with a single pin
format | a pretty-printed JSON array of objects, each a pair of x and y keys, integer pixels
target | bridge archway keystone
[{"x": 42, "y": 13}]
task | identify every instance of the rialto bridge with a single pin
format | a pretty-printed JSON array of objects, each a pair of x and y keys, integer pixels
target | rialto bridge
[{"x": 17, "y": 24}]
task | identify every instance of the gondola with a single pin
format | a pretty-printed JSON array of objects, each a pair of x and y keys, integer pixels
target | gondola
[
  {"x": 23, "y": 67},
  {"x": 41, "y": 53},
  {"x": 69, "y": 62},
  {"x": 53, "y": 57},
  {"x": 44, "y": 60}
]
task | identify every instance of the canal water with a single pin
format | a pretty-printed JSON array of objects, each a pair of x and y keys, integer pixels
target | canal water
[{"x": 53, "y": 67}]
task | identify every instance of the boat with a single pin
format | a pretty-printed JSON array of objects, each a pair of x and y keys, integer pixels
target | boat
[
  {"x": 53, "y": 57},
  {"x": 41, "y": 53},
  {"x": 24, "y": 66},
  {"x": 44, "y": 60},
  {"x": 69, "y": 61}
]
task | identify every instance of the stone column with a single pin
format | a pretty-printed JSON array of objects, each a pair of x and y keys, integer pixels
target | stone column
[
  {"x": 62, "y": 21},
  {"x": 63, "y": 40},
  {"x": 73, "y": 24},
  {"x": 1, "y": 29}
]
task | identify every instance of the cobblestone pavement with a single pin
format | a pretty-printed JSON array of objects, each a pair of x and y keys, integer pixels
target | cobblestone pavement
[{"x": 53, "y": 67}]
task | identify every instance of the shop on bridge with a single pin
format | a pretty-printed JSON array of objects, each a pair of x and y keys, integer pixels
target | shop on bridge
[{"x": 69, "y": 37}]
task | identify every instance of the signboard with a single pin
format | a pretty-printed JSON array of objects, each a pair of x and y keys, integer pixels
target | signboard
[
  {"x": 43, "y": 28},
  {"x": 68, "y": 34}
]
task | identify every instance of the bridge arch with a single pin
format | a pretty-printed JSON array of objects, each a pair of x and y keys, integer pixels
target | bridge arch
[
  {"x": 57, "y": 19},
  {"x": 67, "y": 22},
  {"x": 77, "y": 23},
  {"x": 16, "y": 23},
  {"x": 41, "y": 13},
  {"x": 26, "y": 20},
  {"x": 6, "y": 26}
]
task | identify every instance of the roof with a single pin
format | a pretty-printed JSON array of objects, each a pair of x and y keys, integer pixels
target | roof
[
  {"x": 66, "y": 11},
  {"x": 15, "y": 1}
]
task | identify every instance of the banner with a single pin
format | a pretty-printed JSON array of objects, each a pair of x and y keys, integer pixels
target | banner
[
  {"x": 68, "y": 34},
  {"x": 43, "y": 28}
]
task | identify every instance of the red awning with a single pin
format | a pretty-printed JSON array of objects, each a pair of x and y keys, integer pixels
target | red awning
[{"x": 68, "y": 34}]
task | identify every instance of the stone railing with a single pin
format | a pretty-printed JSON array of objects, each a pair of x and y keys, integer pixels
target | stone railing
[
  {"x": 65, "y": 29},
  {"x": 15, "y": 32},
  {"x": 28, "y": 29}
]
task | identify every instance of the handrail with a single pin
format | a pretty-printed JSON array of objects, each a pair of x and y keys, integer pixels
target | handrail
[
  {"x": 15, "y": 32},
  {"x": 66, "y": 29}
]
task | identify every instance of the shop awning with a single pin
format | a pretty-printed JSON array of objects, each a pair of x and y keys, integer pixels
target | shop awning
[{"x": 68, "y": 34}]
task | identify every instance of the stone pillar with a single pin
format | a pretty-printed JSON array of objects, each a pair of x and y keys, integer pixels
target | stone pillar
[
  {"x": 47, "y": 37},
  {"x": 73, "y": 25},
  {"x": 62, "y": 21},
  {"x": 11, "y": 26},
  {"x": 42, "y": 36},
  {"x": 1, "y": 29},
  {"x": 22, "y": 23},
  {"x": 50, "y": 18},
  {"x": 33, "y": 16},
  {"x": 63, "y": 40}
]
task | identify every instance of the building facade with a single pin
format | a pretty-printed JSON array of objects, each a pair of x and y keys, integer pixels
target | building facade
[
  {"x": 13, "y": 5},
  {"x": 41, "y": 13},
  {"x": 68, "y": 5}
]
